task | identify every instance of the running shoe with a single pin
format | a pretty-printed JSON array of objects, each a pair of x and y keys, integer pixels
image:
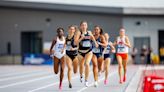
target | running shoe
[
  {"x": 60, "y": 86},
  {"x": 96, "y": 84},
  {"x": 124, "y": 79},
  {"x": 86, "y": 83},
  {"x": 121, "y": 81},
  {"x": 105, "y": 82},
  {"x": 70, "y": 85}
]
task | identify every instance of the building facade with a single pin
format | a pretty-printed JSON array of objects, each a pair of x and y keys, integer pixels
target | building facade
[{"x": 26, "y": 26}]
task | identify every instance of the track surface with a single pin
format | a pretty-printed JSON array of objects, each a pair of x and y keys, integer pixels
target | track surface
[{"x": 17, "y": 78}]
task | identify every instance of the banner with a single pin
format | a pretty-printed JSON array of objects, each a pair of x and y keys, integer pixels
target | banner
[
  {"x": 36, "y": 59},
  {"x": 153, "y": 84}
]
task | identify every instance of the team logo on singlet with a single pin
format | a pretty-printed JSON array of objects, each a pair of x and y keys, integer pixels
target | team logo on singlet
[
  {"x": 121, "y": 46},
  {"x": 87, "y": 37},
  {"x": 60, "y": 46}
]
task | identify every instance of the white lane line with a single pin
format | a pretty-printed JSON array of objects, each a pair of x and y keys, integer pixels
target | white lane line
[
  {"x": 52, "y": 84},
  {"x": 27, "y": 81},
  {"x": 5, "y": 71},
  {"x": 23, "y": 76},
  {"x": 133, "y": 85},
  {"x": 11, "y": 69},
  {"x": 16, "y": 73},
  {"x": 43, "y": 87},
  {"x": 84, "y": 88}
]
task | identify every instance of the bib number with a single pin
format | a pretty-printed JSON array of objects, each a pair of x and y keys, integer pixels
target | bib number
[
  {"x": 107, "y": 51},
  {"x": 96, "y": 50},
  {"x": 86, "y": 44},
  {"x": 121, "y": 49}
]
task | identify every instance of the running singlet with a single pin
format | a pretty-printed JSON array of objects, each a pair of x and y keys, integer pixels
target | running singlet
[
  {"x": 107, "y": 49},
  {"x": 121, "y": 47},
  {"x": 58, "y": 48},
  {"x": 85, "y": 44},
  {"x": 99, "y": 49},
  {"x": 69, "y": 45}
]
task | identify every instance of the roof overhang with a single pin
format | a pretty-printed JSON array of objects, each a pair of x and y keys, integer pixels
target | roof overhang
[
  {"x": 83, "y": 8},
  {"x": 62, "y": 7}
]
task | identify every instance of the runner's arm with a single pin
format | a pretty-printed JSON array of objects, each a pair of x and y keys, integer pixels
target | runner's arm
[
  {"x": 127, "y": 42},
  {"x": 112, "y": 47},
  {"x": 52, "y": 44},
  {"x": 64, "y": 44},
  {"x": 103, "y": 42},
  {"x": 115, "y": 42},
  {"x": 93, "y": 39},
  {"x": 77, "y": 38}
]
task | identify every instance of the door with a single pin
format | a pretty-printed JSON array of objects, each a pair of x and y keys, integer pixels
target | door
[{"x": 31, "y": 42}]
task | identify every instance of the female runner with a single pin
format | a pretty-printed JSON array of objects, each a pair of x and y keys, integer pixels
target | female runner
[
  {"x": 123, "y": 44},
  {"x": 57, "y": 51},
  {"x": 84, "y": 38}
]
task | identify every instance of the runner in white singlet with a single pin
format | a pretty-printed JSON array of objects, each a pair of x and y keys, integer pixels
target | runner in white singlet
[{"x": 57, "y": 52}]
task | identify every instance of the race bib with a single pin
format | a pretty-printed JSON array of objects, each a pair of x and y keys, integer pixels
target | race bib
[
  {"x": 86, "y": 44},
  {"x": 121, "y": 49},
  {"x": 96, "y": 50},
  {"x": 107, "y": 51}
]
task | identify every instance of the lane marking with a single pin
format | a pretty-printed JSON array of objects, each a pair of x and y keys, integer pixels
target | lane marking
[
  {"x": 49, "y": 85},
  {"x": 12, "y": 74},
  {"x": 23, "y": 76},
  {"x": 52, "y": 84},
  {"x": 133, "y": 84},
  {"x": 27, "y": 81},
  {"x": 84, "y": 88}
]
